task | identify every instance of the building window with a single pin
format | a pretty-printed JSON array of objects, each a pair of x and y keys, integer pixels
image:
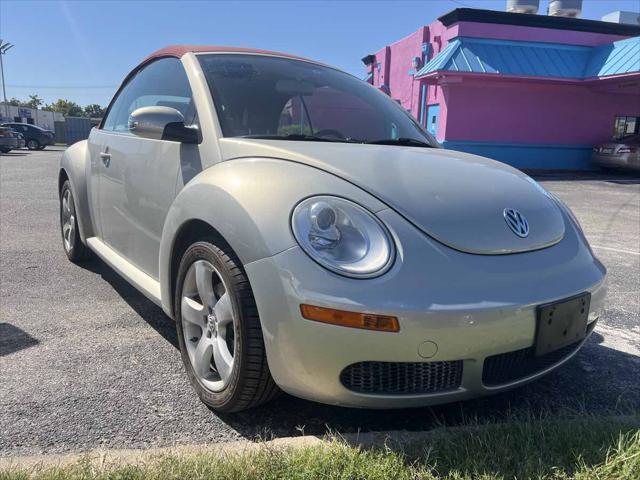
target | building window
[{"x": 625, "y": 126}]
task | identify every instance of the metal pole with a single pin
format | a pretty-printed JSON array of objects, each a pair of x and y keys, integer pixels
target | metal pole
[
  {"x": 4, "y": 90},
  {"x": 4, "y": 47}
]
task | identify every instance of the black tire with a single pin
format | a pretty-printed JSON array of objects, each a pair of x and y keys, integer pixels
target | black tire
[
  {"x": 5, "y": 150},
  {"x": 42, "y": 147},
  {"x": 76, "y": 250},
  {"x": 33, "y": 144},
  {"x": 250, "y": 382}
]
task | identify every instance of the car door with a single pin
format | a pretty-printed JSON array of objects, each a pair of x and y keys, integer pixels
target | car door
[
  {"x": 94, "y": 147},
  {"x": 138, "y": 175}
]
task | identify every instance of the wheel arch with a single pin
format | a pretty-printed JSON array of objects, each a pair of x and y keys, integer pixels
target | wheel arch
[
  {"x": 75, "y": 166},
  {"x": 187, "y": 223},
  {"x": 247, "y": 203},
  {"x": 190, "y": 232}
]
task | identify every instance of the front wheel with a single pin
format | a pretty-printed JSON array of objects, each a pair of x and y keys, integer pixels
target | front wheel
[
  {"x": 219, "y": 330},
  {"x": 71, "y": 242},
  {"x": 5, "y": 150},
  {"x": 33, "y": 144}
]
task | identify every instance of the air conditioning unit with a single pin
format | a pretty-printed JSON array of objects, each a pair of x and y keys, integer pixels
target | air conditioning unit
[
  {"x": 631, "y": 18},
  {"x": 565, "y": 8},
  {"x": 523, "y": 6}
]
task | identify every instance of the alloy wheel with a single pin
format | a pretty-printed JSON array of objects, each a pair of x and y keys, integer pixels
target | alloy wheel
[
  {"x": 208, "y": 325},
  {"x": 68, "y": 220}
]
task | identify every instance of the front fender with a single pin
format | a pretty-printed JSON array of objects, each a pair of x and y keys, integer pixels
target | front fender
[
  {"x": 75, "y": 164},
  {"x": 249, "y": 202}
]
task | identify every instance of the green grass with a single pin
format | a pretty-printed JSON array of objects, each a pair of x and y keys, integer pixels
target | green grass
[{"x": 579, "y": 448}]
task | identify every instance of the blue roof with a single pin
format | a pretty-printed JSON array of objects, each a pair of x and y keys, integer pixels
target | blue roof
[
  {"x": 536, "y": 59},
  {"x": 614, "y": 59}
]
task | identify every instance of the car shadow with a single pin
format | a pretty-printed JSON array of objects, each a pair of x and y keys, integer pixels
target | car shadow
[
  {"x": 145, "y": 308},
  {"x": 14, "y": 339},
  {"x": 597, "y": 380},
  {"x": 14, "y": 154}
]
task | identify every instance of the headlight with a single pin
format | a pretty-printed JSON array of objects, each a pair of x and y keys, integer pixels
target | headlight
[{"x": 342, "y": 236}]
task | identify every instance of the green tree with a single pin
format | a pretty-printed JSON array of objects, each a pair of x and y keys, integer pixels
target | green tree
[
  {"x": 14, "y": 102},
  {"x": 34, "y": 101},
  {"x": 66, "y": 107},
  {"x": 94, "y": 111}
]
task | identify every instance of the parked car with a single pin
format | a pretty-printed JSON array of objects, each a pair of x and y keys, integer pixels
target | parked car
[
  {"x": 9, "y": 140},
  {"x": 36, "y": 138},
  {"x": 623, "y": 154},
  {"x": 320, "y": 241}
]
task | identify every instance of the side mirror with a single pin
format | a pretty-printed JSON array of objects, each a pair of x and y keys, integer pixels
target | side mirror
[{"x": 162, "y": 123}]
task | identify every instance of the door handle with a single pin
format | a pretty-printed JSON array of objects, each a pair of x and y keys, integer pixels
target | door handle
[{"x": 106, "y": 158}]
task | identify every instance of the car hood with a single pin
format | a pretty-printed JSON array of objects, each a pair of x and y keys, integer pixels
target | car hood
[{"x": 454, "y": 197}]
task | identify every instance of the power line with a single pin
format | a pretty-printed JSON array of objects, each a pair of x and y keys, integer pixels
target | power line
[
  {"x": 461, "y": 3},
  {"x": 61, "y": 86}
]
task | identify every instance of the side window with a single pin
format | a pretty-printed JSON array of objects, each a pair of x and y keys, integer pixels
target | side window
[{"x": 161, "y": 83}]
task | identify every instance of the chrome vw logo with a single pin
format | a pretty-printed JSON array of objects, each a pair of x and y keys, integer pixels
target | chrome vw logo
[{"x": 516, "y": 221}]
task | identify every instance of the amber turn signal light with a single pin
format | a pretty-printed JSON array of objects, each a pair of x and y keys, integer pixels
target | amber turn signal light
[{"x": 367, "y": 321}]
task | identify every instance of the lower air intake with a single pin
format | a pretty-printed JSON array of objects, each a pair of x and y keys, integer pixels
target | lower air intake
[
  {"x": 511, "y": 366},
  {"x": 396, "y": 378}
]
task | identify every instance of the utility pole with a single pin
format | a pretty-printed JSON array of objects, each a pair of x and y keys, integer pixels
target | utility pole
[{"x": 4, "y": 47}]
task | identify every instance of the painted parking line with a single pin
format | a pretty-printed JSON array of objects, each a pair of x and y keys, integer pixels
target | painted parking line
[
  {"x": 621, "y": 339},
  {"x": 619, "y": 250}
]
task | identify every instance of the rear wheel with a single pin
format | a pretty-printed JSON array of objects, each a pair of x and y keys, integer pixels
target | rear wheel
[
  {"x": 42, "y": 147},
  {"x": 33, "y": 144},
  {"x": 74, "y": 248},
  {"x": 219, "y": 330},
  {"x": 5, "y": 150}
]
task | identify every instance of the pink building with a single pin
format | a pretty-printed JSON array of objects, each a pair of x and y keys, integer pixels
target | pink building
[{"x": 533, "y": 91}]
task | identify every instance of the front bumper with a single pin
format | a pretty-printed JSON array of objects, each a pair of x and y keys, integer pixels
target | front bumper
[
  {"x": 8, "y": 142},
  {"x": 452, "y": 307},
  {"x": 629, "y": 161}
]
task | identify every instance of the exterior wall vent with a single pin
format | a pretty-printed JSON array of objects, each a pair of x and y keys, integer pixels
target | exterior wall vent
[
  {"x": 523, "y": 6},
  {"x": 565, "y": 8}
]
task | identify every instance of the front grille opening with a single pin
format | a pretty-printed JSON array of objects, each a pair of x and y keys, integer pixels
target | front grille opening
[
  {"x": 511, "y": 366},
  {"x": 400, "y": 378}
]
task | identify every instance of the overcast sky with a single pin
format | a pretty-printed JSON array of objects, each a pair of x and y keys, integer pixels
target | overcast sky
[{"x": 81, "y": 50}]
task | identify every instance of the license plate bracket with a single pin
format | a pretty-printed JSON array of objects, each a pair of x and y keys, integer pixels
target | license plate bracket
[{"x": 561, "y": 323}]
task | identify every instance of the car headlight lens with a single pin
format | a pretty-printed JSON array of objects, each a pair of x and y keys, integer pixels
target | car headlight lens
[{"x": 342, "y": 236}]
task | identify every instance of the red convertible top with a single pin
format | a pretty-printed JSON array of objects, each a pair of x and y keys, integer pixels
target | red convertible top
[{"x": 179, "y": 50}]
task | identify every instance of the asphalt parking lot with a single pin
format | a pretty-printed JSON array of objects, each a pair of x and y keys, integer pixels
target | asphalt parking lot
[{"x": 87, "y": 362}]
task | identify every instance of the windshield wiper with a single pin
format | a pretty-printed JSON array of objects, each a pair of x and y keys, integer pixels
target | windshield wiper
[
  {"x": 402, "y": 141},
  {"x": 297, "y": 137}
]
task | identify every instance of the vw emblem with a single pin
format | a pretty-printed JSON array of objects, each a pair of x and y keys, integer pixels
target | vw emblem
[{"x": 516, "y": 221}]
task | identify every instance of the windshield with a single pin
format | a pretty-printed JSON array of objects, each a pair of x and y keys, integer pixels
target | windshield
[{"x": 284, "y": 99}]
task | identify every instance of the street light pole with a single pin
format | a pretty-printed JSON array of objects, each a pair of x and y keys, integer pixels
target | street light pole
[{"x": 4, "y": 47}]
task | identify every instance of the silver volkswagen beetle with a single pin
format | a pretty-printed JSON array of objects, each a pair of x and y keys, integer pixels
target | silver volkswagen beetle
[{"x": 307, "y": 235}]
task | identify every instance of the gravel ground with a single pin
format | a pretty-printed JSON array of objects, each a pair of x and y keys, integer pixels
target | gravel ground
[{"x": 87, "y": 362}]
